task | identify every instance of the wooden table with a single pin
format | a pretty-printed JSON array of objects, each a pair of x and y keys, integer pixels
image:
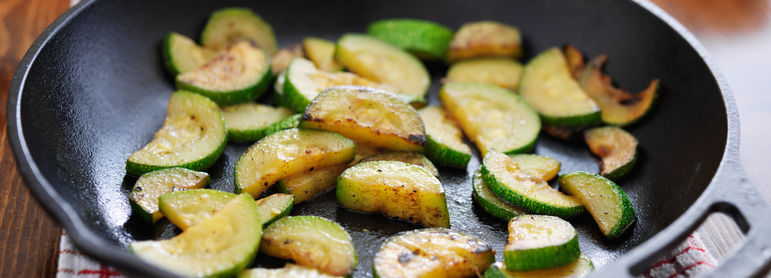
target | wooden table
[{"x": 29, "y": 237}]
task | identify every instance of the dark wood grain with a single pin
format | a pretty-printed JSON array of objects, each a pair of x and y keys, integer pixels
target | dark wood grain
[{"x": 29, "y": 237}]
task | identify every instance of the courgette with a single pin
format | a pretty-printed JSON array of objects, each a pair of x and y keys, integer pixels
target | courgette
[
  {"x": 540, "y": 242},
  {"x": 230, "y": 25},
  {"x": 322, "y": 53},
  {"x": 543, "y": 167},
  {"x": 605, "y": 201},
  {"x": 311, "y": 241},
  {"x": 249, "y": 122},
  {"x": 485, "y": 38},
  {"x": 382, "y": 62},
  {"x": 444, "y": 141},
  {"x": 306, "y": 186},
  {"x": 493, "y": 118},
  {"x": 616, "y": 147},
  {"x": 289, "y": 270},
  {"x": 491, "y": 203},
  {"x": 532, "y": 193},
  {"x": 289, "y": 152},
  {"x": 501, "y": 72},
  {"x": 577, "y": 269},
  {"x": 193, "y": 136},
  {"x": 406, "y": 157},
  {"x": 238, "y": 75},
  {"x": 150, "y": 186},
  {"x": 181, "y": 54},
  {"x": 221, "y": 245},
  {"x": 426, "y": 39},
  {"x": 366, "y": 115},
  {"x": 432, "y": 253},
  {"x": 548, "y": 85},
  {"x": 396, "y": 189},
  {"x": 281, "y": 60}
]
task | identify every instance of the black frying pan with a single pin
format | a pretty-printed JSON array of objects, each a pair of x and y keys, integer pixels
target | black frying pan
[{"x": 92, "y": 89}]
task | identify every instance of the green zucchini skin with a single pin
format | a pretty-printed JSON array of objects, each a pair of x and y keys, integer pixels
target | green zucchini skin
[
  {"x": 427, "y": 40},
  {"x": 138, "y": 169},
  {"x": 257, "y": 134},
  {"x": 627, "y": 208},
  {"x": 622, "y": 171},
  {"x": 543, "y": 258},
  {"x": 444, "y": 155},
  {"x": 491, "y": 203},
  {"x": 232, "y": 97}
]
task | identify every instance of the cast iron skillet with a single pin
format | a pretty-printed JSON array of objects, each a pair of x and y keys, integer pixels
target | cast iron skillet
[{"x": 92, "y": 89}]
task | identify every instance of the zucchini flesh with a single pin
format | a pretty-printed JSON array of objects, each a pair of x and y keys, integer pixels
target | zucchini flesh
[
  {"x": 619, "y": 107},
  {"x": 230, "y": 25},
  {"x": 188, "y": 208},
  {"x": 508, "y": 182},
  {"x": 239, "y": 75},
  {"x": 444, "y": 144},
  {"x": 304, "y": 82},
  {"x": 490, "y": 202},
  {"x": 396, "y": 189},
  {"x": 322, "y": 53},
  {"x": 149, "y": 187},
  {"x": 616, "y": 147},
  {"x": 281, "y": 60},
  {"x": 427, "y": 40},
  {"x": 379, "y": 61},
  {"x": 548, "y": 85},
  {"x": 182, "y": 54},
  {"x": 605, "y": 201},
  {"x": 289, "y": 152},
  {"x": 275, "y": 206},
  {"x": 540, "y": 242},
  {"x": 306, "y": 186},
  {"x": 432, "y": 253},
  {"x": 543, "y": 167},
  {"x": 368, "y": 116},
  {"x": 492, "y": 117},
  {"x": 222, "y": 245},
  {"x": 311, "y": 241},
  {"x": 575, "y": 61},
  {"x": 485, "y": 38},
  {"x": 501, "y": 72},
  {"x": 193, "y": 136},
  {"x": 406, "y": 157},
  {"x": 289, "y": 270},
  {"x": 253, "y": 121},
  {"x": 580, "y": 268}
]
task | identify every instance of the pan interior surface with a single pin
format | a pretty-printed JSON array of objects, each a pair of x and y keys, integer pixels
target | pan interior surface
[{"x": 98, "y": 91}]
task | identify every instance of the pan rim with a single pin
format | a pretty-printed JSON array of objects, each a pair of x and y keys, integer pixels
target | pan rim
[{"x": 88, "y": 242}]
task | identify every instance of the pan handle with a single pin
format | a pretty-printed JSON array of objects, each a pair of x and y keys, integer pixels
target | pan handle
[{"x": 730, "y": 192}]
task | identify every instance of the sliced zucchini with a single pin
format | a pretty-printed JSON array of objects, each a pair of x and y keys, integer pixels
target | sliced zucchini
[
  {"x": 181, "y": 54},
  {"x": 432, "y": 253},
  {"x": 485, "y": 38},
  {"x": 221, "y": 245},
  {"x": 252, "y": 121},
  {"x": 363, "y": 151},
  {"x": 562, "y": 132},
  {"x": 540, "y": 242},
  {"x": 239, "y": 75},
  {"x": 289, "y": 152},
  {"x": 150, "y": 186},
  {"x": 490, "y": 202},
  {"x": 406, "y": 157},
  {"x": 289, "y": 270},
  {"x": 304, "y": 82},
  {"x": 281, "y": 60},
  {"x": 543, "y": 167},
  {"x": 311, "y": 241},
  {"x": 230, "y": 25},
  {"x": 306, "y": 186},
  {"x": 577, "y": 269},
  {"x": 575, "y": 61},
  {"x": 444, "y": 144},
  {"x": 492, "y": 117},
  {"x": 532, "y": 193},
  {"x": 188, "y": 208},
  {"x": 322, "y": 53},
  {"x": 606, "y": 202},
  {"x": 616, "y": 147},
  {"x": 427, "y": 40},
  {"x": 396, "y": 189},
  {"x": 548, "y": 85},
  {"x": 368, "y": 116},
  {"x": 619, "y": 107},
  {"x": 193, "y": 136},
  {"x": 275, "y": 206},
  {"x": 501, "y": 72},
  {"x": 379, "y": 61}
]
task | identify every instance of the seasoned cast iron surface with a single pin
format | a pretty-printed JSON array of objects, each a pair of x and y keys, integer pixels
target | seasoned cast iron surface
[{"x": 98, "y": 91}]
